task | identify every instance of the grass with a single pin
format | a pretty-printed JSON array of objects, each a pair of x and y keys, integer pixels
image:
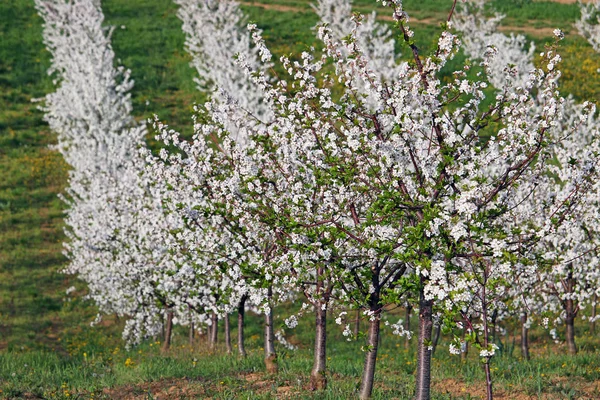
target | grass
[
  {"x": 48, "y": 349},
  {"x": 98, "y": 367}
]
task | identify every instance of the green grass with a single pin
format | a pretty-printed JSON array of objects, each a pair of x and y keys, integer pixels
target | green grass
[
  {"x": 45, "y": 337},
  {"x": 96, "y": 363}
]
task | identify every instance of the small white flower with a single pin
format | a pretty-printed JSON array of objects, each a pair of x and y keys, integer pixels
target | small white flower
[{"x": 559, "y": 34}]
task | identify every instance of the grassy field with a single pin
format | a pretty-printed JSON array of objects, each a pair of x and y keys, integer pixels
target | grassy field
[{"x": 47, "y": 347}]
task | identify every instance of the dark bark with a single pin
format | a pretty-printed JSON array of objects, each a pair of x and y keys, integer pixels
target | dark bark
[
  {"x": 570, "y": 325},
  {"x": 168, "y": 331},
  {"x": 214, "y": 331},
  {"x": 524, "y": 337},
  {"x": 570, "y": 311},
  {"x": 270, "y": 354},
  {"x": 227, "y": 334},
  {"x": 368, "y": 376},
  {"x": 318, "y": 379},
  {"x": 423, "y": 382},
  {"x": 240, "y": 337}
]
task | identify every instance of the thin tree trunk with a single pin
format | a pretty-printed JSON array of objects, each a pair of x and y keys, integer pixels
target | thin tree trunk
[
  {"x": 227, "y": 334},
  {"x": 270, "y": 354},
  {"x": 570, "y": 325},
  {"x": 524, "y": 337},
  {"x": 423, "y": 382},
  {"x": 163, "y": 325},
  {"x": 464, "y": 347},
  {"x": 436, "y": 337},
  {"x": 488, "y": 381},
  {"x": 357, "y": 324},
  {"x": 514, "y": 341},
  {"x": 593, "y": 318},
  {"x": 407, "y": 325},
  {"x": 240, "y": 337},
  {"x": 368, "y": 376},
  {"x": 214, "y": 330},
  {"x": 486, "y": 343},
  {"x": 569, "y": 306},
  {"x": 493, "y": 329},
  {"x": 318, "y": 379},
  {"x": 191, "y": 334},
  {"x": 168, "y": 330}
]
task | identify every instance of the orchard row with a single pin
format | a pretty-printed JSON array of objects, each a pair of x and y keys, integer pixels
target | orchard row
[{"x": 351, "y": 182}]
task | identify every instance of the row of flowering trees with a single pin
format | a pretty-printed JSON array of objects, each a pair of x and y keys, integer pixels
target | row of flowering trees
[{"x": 354, "y": 180}]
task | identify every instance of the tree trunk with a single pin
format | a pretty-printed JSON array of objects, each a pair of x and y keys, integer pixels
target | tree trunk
[
  {"x": 514, "y": 341},
  {"x": 436, "y": 337},
  {"x": 488, "y": 381},
  {"x": 163, "y": 325},
  {"x": 240, "y": 337},
  {"x": 318, "y": 379},
  {"x": 191, "y": 334},
  {"x": 486, "y": 342},
  {"x": 407, "y": 325},
  {"x": 357, "y": 324},
  {"x": 368, "y": 376},
  {"x": 593, "y": 318},
  {"x": 464, "y": 346},
  {"x": 168, "y": 331},
  {"x": 214, "y": 331},
  {"x": 423, "y": 382},
  {"x": 270, "y": 354},
  {"x": 227, "y": 334},
  {"x": 493, "y": 328},
  {"x": 524, "y": 337},
  {"x": 570, "y": 325}
]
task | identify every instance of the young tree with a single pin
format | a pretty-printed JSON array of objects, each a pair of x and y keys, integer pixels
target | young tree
[
  {"x": 119, "y": 240},
  {"x": 589, "y": 24}
]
